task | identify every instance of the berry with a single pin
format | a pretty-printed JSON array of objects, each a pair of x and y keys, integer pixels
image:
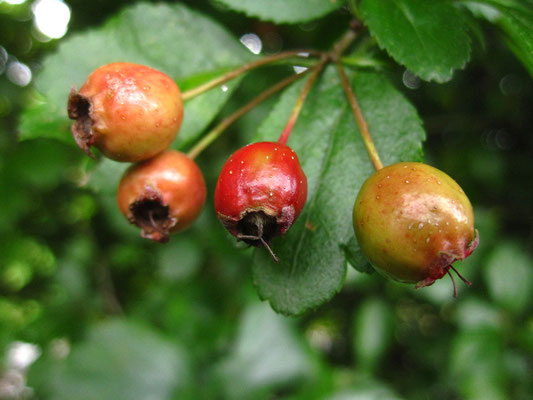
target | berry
[
  {"x": 162, "y": 195},
  {"x": 260, "y": 192},
  {"x": 129, "y": 112},
  {"x": 413, "y": 221}
]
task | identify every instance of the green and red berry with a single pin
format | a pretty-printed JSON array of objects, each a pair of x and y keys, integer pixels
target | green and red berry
[{"x": 413, "y": 222}]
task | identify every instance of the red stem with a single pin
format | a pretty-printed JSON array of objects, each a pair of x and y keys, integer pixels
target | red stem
[{"x": 300, "y": 102}]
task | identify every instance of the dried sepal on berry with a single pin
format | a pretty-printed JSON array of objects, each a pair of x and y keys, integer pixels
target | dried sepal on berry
[{"x": 162, "y": 195}]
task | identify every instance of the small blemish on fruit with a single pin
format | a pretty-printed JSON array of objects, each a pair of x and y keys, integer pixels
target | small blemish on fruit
[
  {"x": 420, "y": 225},
  {"x": 410, "y": 226},
  {"x": 158, "y": 124},
  {"x": 413, "y": 169},
  {"x": 242, "y": 161},
  {"x": 377, "y": 197},
  {"x": 231, "y": 172},
  {"x": 267, "y": 157},
  {"x": 427, "y": 239},
  {"x": 447, "y": 223},
  {"x": 271, "y": 194},
  {"x": 379, "y": 185},
  {"x": 439, "y": 182},
  {"x": 292, "y": 157},
  {"x": 146, "y": 87},
  {"x": 301, "y": 181},
  {"x": 122, "y": 117},
  {"x": 388, "y": 176},
  {"x": 405, "y": 166},
  {"x": 311, "y": 227},
  {"x": 406, "y": 181},
  {"x": 275, "y": 149}
]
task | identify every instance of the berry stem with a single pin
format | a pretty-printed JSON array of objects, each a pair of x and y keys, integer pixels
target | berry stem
[
  {"x": 301, "y": 99},
  {"x": 359, "y": 119},
  {"x": 189, "y": 94},
  {"x": 226, "y": 122},
  {"x": 338, "y": 48}
]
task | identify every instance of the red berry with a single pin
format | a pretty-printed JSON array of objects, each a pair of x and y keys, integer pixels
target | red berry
[
  {"x": 162, "y": 195},
  {"x": 130, "y": 112},
  {"x": 413, "y": 221},
  {"x": 260, "y": 192}
]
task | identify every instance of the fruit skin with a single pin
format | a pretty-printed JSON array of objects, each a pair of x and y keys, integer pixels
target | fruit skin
[
  {"x": 170, "y": 186},
  {"x": 263, "y": 180},
  {"x": 130, "y": 112},
  {"x": 413, "y": 221}
]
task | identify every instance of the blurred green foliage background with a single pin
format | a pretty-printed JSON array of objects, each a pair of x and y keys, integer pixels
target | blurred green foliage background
[{"x": 111, "y": 316}]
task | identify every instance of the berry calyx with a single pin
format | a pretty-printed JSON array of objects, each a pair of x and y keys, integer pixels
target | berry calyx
[
  {"x": 413, "y": 222},
  {"x": 129, "y": 112},
  {"x": 162, "y": 195},
  {"x": 260, "y": 192}
]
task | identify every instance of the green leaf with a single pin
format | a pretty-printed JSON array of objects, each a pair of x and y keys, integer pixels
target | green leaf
[
  {"x": 118, "y": 360},
  {"x": 165, "y": 37},
  {"x": 366, "y": 392},
  {"x": 515, "y": 19},
  {"x": 373, "y": 330},
  {"x": 284, "y": 11},
  {"x": 428, "y": 37},
  {"x": 267, "y": 355},
  {"x": 474, "y": 313},
  {"x": 333, "y": 156},
  {"x": 356, "y": 258},
  {"x": 509, "y": 276},
  {"x": 477, "y": 365},
  {"x": 518, "y": 29},
  {"x": 179, "y": 259}
]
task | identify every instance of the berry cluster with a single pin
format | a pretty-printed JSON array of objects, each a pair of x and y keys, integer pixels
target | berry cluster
[
  {"x": 132, "y": 113},
  {"x": 411, "y": 220}
]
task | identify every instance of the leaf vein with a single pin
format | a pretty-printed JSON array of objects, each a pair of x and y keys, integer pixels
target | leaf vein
[{"x": 323, "y": 168}]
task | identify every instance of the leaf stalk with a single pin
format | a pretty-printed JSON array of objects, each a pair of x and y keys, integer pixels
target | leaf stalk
[
  {"x": 226, "y": 122},
  {"x": 300, "y": 101},
  {"x": 359, "y": 119},
  {"x": 338, "y": 48},
  {"x": 189, "y": 94}
]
